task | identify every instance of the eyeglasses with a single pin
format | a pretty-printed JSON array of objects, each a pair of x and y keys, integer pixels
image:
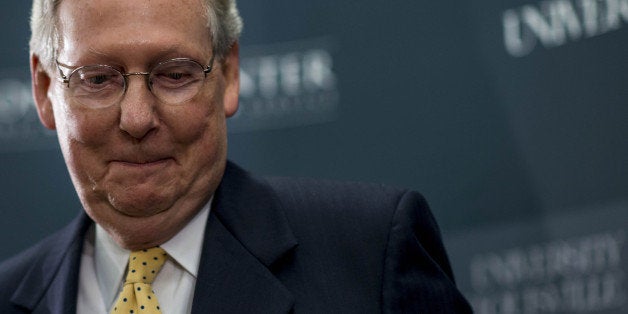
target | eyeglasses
[{"x": 172, "y": 82}]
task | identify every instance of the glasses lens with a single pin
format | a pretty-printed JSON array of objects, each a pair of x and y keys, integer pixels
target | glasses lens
[
  {"x": 176, "y": 81},
  {"x": 96, "y": 86}
]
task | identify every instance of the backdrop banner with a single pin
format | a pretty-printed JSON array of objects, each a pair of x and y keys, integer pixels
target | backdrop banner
[{"x": 509, "y": 116}]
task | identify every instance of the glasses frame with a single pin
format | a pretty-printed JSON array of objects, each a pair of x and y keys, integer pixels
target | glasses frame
[{"x": 125, "y": 75}]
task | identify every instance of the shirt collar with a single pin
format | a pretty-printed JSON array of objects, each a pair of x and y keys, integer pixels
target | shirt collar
[
  {"x": 111, "y": 260},
  {"x": 185, "y": 247}
]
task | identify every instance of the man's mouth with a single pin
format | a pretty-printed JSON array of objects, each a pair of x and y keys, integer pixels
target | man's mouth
[{"x": 142, "y": 162}]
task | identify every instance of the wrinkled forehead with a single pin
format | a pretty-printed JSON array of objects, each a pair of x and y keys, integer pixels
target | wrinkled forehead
[{"x": 123, "y": 24}]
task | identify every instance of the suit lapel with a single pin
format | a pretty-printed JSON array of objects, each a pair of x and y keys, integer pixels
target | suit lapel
[
  {"x": 51, "y": 284},
  {"x": 246, "y": 234}
]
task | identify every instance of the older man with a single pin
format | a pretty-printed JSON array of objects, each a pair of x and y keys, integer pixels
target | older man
[{"x": 138, "y": 92}]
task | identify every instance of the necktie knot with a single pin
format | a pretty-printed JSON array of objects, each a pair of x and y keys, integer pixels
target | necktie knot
[
  {"x": 145, "y": 264},
  {"x": 137, "y": 295}
]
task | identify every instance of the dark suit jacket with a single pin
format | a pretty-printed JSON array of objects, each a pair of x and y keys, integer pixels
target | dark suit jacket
[{"x": 279, "y": 246}]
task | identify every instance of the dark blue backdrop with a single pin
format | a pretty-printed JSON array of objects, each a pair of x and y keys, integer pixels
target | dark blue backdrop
[{"x": 508, "y": 115}]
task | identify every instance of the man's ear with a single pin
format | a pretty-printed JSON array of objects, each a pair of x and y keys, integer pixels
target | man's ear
[
  {"x": 40, "y": 81},
  {"x": 231, "y": 72}
]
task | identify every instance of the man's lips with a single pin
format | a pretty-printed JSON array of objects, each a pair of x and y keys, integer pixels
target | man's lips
[{"x": 142, "y": 162}]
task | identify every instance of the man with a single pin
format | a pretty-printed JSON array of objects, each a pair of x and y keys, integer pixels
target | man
[{"x": 138, "y": 93}]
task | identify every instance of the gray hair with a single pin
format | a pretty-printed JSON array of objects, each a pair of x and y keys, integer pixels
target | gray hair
[{"x": 223, "y": 20}]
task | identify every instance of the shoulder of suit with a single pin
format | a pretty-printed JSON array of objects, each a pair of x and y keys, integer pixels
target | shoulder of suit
[
  {"x": 351, "y": 201},
  {"x": 327, "y": 190},
  {"x": 322, "y": 191},
  {"x": 14, "y": 268}
]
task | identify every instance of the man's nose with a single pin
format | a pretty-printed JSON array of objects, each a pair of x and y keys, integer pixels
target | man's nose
[{"x": 138, "y": 114}]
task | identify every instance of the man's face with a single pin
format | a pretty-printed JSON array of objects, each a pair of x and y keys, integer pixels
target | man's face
[{"x": 142, "y": 168}]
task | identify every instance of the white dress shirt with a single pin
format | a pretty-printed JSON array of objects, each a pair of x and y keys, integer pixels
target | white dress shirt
[{"x": 104, "y": 263}]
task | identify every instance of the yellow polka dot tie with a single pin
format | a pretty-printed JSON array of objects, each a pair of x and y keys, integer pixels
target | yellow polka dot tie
[{"x": 137, "y": 296}]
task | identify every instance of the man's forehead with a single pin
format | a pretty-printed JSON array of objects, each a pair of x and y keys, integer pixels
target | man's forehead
[
  {"x": 137, "y": 4},
  {"x": 161, "y": 26},
  {"x": 84, "y": 11}
]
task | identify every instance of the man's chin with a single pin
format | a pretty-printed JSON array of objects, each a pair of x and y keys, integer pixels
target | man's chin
[
  {"x": 137, "y": 206},
  {"x": 136, "y": 212}
]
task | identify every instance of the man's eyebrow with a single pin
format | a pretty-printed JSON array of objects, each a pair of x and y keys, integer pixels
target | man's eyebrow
[
  {"x": 96, "y": 52},
  {"x": 169, "y": 50},
  {"x": 178, "y": 50}
]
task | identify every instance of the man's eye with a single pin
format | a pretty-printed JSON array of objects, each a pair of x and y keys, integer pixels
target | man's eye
[
  {"x": 172, "y": 79},
  {"x": 98, "y": 79},
  {"x": 91, "y": 82},
  {"x": 175, "y": 75}
]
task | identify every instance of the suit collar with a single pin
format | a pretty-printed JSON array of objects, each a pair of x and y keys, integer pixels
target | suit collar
[
  {"x": 250, "y": 210},
  {"x": 247, "y": 232},
  {"x": 51, "y": 284}
]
